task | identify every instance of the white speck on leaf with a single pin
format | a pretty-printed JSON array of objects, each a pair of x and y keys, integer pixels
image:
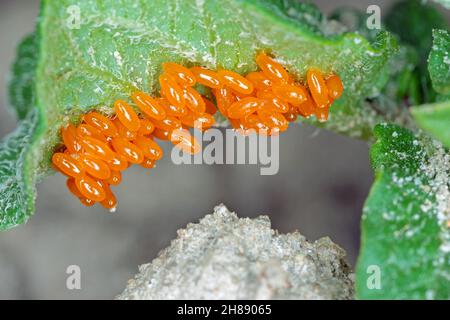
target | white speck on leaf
[{"x": 118, "y": 58}]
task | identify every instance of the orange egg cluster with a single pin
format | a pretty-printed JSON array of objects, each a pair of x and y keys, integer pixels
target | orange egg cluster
[
  {"x": 267, "y": 100},
  {"x": 97, "y": 150}
]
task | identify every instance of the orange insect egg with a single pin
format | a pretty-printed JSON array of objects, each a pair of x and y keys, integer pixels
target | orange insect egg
[
  {"x": 90, "y": 131},
  {"x": 203, "y": 120},
  {"x": 114, "y": 179},
  {"x": 127, "y": 115},
  {"x": 271, "y": 68},
  {"x": 243, "y": 107},
  {"x": 183, "y": 140},
  {"x": 239, "y": 96},
  {"x": 146, "y": 128},
  {"x": 322, "y": 114},
  {"x": 294, "y": 95},
  {"x": 89, "y": 188},
  {"x": 251, "y": 121},
  {"x": 244, "y": 129},
  {"x": 148, "y": 163},
  {"x": 183, "y": 75},
  {"x": 118, "y": 163},
  {"x": 236, "y": 82},
  {"x": 335, "y": 86},
  {"x": 292, "y": 114},
  {"x": 273, "y": 119},
  {"x": 101, "y": 123},
  {"x": 200, "y": 121},
  {"x": 207, "y": 77},
  {"x": 224, "y": 99},
  {"x": 86, "y": 202},
  {"x": 240, "y": 128},
  {"x": 148, "y": 105},
  {"x": 168, "y": 124},
  {"x": 131, "y": 152},
  {"x": 194, "y": 100},
  {"x": 97, "y": 148},
  {"x": 209, "y": 106},
  {"x": 67, "y": 164},
  {"x": 110, "y": 201},
  {"x": 272, "y": 102},
  {"x": 95, "y": 167},
  {"x": 70, "y": 183},
  {"x": 69, "y": 137},
  {"x": 124, "y": 132},
  {"x": 307, "y": 108},
  {"x": 161, "y": 134},
  {"x": 172, "y": 110},
  {"x": 171, "y": 90},
  {"x": 74, "y": 190},
  {"x": 317, "y": 87},
  {"x": 236, "y": 124},
  {"x": 150, "y": 148},
  {"x": 259, "y": 80}
]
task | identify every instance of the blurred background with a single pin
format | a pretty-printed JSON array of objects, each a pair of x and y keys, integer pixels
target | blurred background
[{"x": 319, "y": 190}]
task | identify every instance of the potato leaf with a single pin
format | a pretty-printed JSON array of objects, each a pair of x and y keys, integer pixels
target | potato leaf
[
  {"x": 17, "y": 174},
  {"x": 19, "y": 154},
  {"x": 21, "y": 87},
  {"x": 439, "y": 61},
  {"x": 435, "y": 118},
  {"x": 405, "y": 247},
  {"x": 91, "y": 53}
]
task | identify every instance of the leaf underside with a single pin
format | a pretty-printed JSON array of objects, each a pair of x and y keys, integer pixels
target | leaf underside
[
  {"x": 17, "y": 176},
  {"x": 118, "y": 47},
  {"x": 19, "y": 151},
  {"x": 65, "y": 70},
  {"x": 121, "y": 45}
]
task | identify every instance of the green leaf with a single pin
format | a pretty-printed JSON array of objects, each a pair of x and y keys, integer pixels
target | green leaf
[
  {"x": 19, "y": 155},
  {"x": 17, "y": 174},
  {"x": 444, "y": 3},
  {"x": 400, "y": 82},
  {"x": 117, "y": 47},
  {"x": 439, "y": 61},
  {"x": 399, "y": 79},
  {"x": 435, "y": 119},
  {"x": 21, "y": 86},
  {"x": 305, "y": 15},
  {"x": 413, "y": 21},
  {"x": 120, "y": 48},
  {"x": 405, "y": 231}
]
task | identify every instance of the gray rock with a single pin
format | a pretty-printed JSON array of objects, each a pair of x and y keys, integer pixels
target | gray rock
[{"x": 226, "y": 257}]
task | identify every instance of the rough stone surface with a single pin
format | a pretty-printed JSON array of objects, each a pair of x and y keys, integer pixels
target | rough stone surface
[{"x": 225, "y": 257}]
